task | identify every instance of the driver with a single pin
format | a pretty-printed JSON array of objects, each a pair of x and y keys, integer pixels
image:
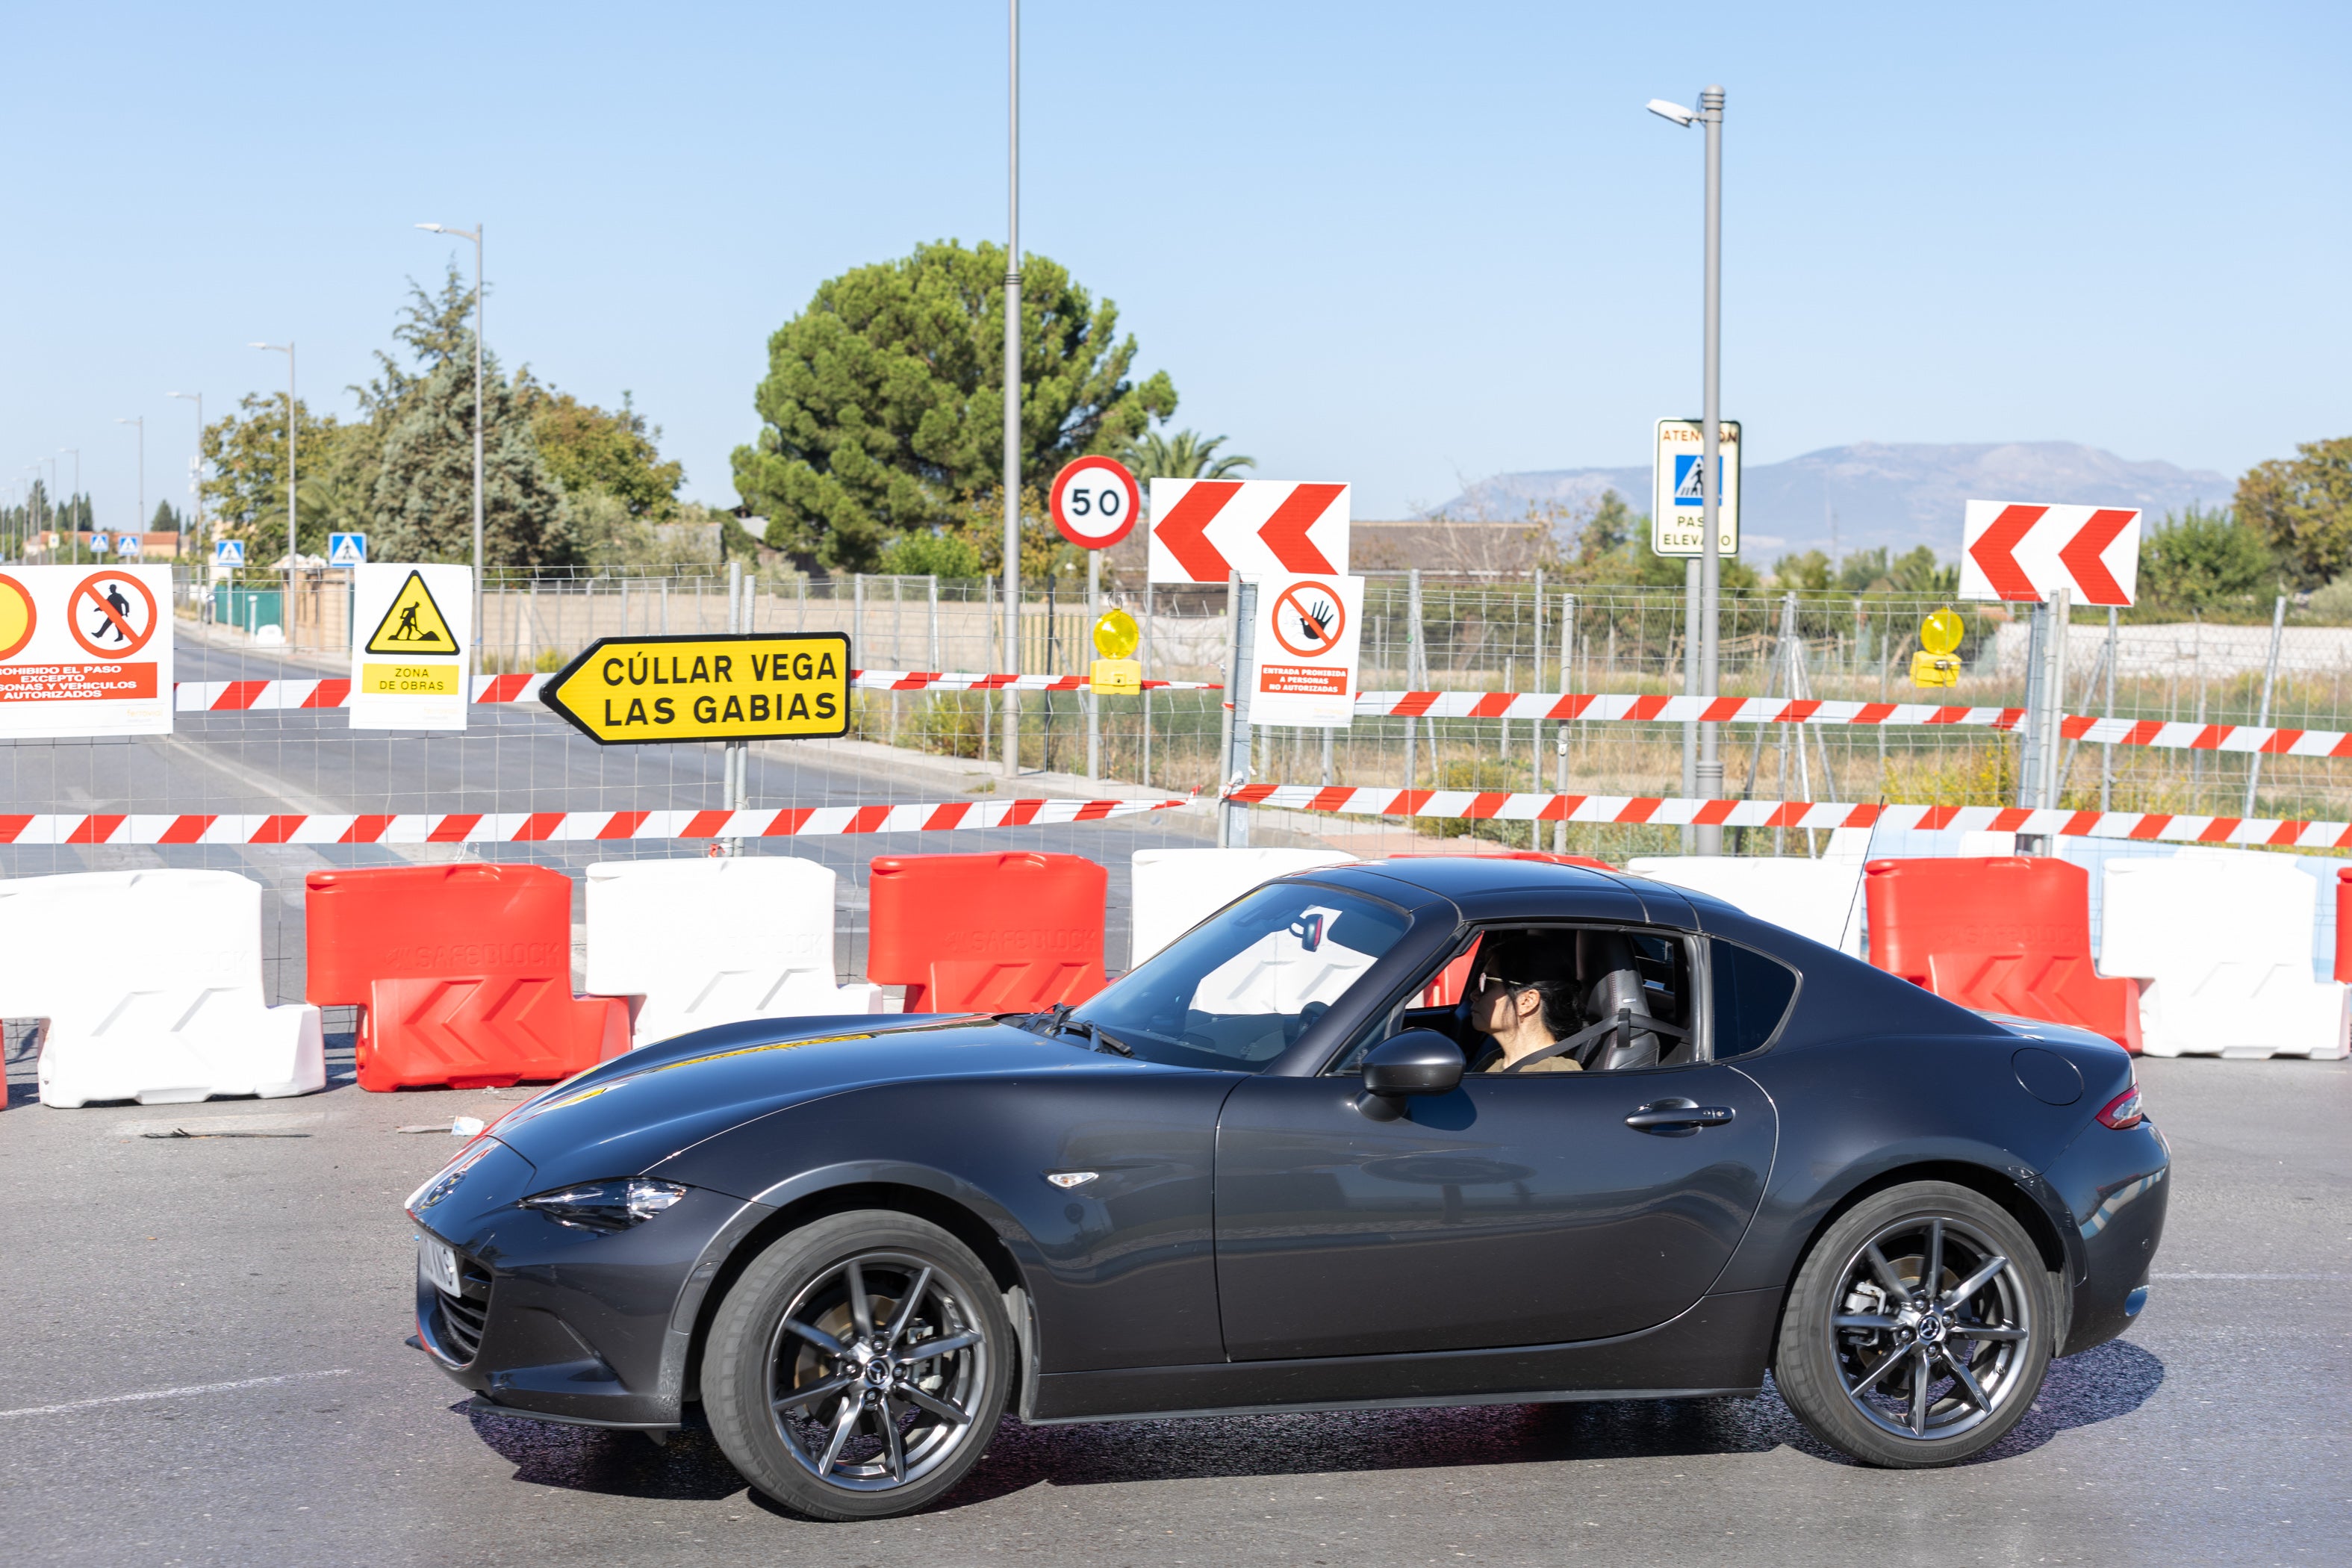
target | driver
[{"x": 1524, "y": 998}]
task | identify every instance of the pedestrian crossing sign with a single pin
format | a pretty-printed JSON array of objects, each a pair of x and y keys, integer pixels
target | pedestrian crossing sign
[
  {"x": 413, "y": 623},
  {"x": 228, "y": 552},
  {"x": 347, "y": 550},
  {"x": 1678, "y": 509}
]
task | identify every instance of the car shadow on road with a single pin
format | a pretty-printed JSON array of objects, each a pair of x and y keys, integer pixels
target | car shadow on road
[{"x": 2098, "y": 1385}]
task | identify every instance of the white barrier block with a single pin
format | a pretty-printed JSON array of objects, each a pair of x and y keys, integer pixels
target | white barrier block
[
  {"x": 2221, "y": 941},
  {"x": 1816, "y": 898},
  {"x": 716, "y": 941},
  {"x": 1172, "y": 890},
  {"x": 151, "y": 985}
]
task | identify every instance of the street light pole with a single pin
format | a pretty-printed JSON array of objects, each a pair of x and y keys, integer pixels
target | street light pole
[
  {"x": 473, "y": 661},
  {"x": 1708, "y": 664},
  {"x": 1013, "y": 393},
  {"x": 197, "y": 522},
  {"x": 1710, "y": 756},
  {"x": 141, "y": 514}
]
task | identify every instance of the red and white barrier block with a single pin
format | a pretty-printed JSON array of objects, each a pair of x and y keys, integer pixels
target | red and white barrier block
[
  {"x": 1670, "y": 812},
  {"x": 562, "y": 826}
]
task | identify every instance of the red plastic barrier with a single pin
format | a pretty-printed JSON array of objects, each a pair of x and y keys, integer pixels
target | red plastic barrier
[
  {"x": 987, "y": 933},
  {"x": 2007, "y": 934},
  {"x": 463, "y": 973},
  {"x": 2344, "y": 925}
]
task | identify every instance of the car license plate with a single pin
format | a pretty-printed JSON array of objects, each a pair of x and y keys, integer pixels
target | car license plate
[{"x": 438, "y": 1262}]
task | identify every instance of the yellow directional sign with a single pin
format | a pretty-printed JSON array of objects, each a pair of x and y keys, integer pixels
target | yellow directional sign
[
  {"x": 413, "y": 623},
  {"x": 759, "y": 686}
]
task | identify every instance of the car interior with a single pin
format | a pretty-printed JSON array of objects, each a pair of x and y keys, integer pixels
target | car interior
[{"x": 1625, "y": 978}]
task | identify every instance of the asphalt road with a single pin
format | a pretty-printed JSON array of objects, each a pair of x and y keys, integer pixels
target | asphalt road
[
  {"x": 511, "y": 758},
  {"x": 206, "y": 1367}
]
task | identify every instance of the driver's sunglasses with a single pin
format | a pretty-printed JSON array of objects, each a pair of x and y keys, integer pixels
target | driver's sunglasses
[{"x": 1496, "y": 983}]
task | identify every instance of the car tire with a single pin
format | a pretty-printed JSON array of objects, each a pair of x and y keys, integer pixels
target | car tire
[
  {"x": 820, "y": 1403},
  {"x": 1902, "y": 1377}
]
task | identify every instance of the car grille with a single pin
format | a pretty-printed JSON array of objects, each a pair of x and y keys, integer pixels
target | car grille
[{"x": 463, "y": 1318}]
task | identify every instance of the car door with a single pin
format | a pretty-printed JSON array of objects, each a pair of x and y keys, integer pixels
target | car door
[{"x": 1516, "y": 1210}]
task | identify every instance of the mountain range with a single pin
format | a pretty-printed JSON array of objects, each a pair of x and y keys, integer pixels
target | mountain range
[{"x": 1893, "y": 494}]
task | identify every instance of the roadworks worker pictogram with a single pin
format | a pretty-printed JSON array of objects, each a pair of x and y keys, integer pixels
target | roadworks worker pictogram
[{"x": 413, "y": 623}]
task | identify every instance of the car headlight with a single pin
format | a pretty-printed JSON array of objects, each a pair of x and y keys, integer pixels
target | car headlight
[
  {"x": 607, "y": 1205},
  {"x": 443, "y": 1184}
]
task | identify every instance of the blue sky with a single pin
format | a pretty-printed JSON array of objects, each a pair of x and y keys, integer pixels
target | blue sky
[{"x": 1398, "y": 246}]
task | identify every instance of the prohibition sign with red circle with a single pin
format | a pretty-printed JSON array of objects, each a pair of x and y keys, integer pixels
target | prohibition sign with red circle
[
  {"x": 1098, "y": 513},
  {"x": 133, "y": 640},
  {"x": 24, "y": 607},
  {"x": 1291, "y": 608}
]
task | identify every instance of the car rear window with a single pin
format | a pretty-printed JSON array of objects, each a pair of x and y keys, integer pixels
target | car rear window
[{"x": 1752, "y": 994}]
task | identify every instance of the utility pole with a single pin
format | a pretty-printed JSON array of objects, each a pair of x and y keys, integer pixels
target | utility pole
[
  {"x": 73, "y": 511},
  {"x": 1012, "y": 394}
]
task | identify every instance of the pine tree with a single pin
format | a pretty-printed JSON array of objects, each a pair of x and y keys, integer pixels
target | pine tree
[{"x": 425, "y": 491}]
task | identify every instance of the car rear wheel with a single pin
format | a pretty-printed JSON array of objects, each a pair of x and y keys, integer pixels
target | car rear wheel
[
  {"x": 858, "y": 1367},
  {"x": 1918, "y": 1328}
]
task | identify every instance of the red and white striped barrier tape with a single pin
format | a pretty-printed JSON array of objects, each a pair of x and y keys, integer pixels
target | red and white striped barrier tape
[
  {"x": 247, "y": 696},
  {"x": 1667, "y": 811},
  {"x": 2270, "y": 742},
  {"x": 561, "y": 826}
]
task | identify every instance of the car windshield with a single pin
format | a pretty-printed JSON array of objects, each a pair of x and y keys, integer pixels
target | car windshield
[{"x": 1238, "y": 989}]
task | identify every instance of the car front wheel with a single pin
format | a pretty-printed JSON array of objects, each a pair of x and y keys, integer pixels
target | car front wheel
[
  {"x": 1918, "y": 1327},
  {"x": 858, "y": 1367}
]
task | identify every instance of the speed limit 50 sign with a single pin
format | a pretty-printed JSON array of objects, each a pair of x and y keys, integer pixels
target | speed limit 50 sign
[{"x": 1095, "y": 502}]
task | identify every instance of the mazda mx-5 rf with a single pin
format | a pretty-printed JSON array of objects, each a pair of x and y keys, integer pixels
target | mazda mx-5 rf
[{"x": 1427, "y": 1131}]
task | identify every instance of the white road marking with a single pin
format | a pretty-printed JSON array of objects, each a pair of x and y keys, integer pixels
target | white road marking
[
  {"x": 2322, "y": 1277},
  {"x": 171, "y": 1393}
]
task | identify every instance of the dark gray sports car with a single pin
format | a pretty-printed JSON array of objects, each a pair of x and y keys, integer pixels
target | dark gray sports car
[{"x": 1433, "y": 1131}]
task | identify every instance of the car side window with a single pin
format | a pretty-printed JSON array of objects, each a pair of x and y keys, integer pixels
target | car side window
[
  {"x": 1752, "y": 994},
  {"x": 1542, "y": 999}
]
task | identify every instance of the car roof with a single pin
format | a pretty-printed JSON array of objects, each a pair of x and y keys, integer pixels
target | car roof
[{"x": 1458, "y": 876}]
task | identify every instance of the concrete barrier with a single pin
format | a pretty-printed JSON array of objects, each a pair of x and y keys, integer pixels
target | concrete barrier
[
  {"x": 151, "y": 984},
  {"x": 1172, "y": 890},
  {"x": 698, "y": 942},
  {"x": 2220, "y": 942}
]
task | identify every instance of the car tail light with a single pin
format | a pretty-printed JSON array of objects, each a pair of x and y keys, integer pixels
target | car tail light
[{"x": 2124, "y": 1112}]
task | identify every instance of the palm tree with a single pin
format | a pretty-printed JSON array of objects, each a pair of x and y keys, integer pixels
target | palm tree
[{"x": 1183, "y": 456}]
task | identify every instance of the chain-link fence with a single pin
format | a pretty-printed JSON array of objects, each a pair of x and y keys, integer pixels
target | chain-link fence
[{"x": 1421, "y": 633}]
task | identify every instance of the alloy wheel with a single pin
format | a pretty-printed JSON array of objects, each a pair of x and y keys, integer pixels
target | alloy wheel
[
  {"x": 1930, "y": 1331},
  {"x": 874, "y": 1370}
]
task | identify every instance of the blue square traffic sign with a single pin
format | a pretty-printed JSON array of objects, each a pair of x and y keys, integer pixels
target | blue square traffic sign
[
  {"x": 347, "y": 550},
  {"x": 1688, "y": 490}
]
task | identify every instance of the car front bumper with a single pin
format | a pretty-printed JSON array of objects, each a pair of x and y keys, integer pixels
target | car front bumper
[{"x": 569, "y": 1324}]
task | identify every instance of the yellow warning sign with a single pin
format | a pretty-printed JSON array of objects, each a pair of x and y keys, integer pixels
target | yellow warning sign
[
  {"x": 762, "y": 686},
  {"x": 414, "y": 624},
  {"x": 411, "y": 680}
]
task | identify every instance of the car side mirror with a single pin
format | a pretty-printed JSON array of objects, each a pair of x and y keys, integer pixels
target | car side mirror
[{"x": 1419, "y": 1061}]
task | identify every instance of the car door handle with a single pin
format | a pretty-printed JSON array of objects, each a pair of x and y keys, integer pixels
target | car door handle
[{"x": 1665, "y": 1114}]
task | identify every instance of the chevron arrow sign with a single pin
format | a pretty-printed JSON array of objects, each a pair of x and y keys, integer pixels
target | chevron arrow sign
[
  {"x": 2017, "y": 551},
  {"x": 1203, "y": 530}
]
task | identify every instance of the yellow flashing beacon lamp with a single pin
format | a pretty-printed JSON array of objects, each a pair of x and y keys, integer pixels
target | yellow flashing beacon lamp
[
  {"x": 1116, "y": 673},
  {"x": 1938, "y": 663}
]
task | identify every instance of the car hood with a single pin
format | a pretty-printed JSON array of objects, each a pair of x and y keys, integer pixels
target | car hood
[{"x": 626, "y": 1115}]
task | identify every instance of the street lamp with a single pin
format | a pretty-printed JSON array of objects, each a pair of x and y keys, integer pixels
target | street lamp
[
  {"x": 197, "y": 468},
  {"x": 288, "y": 350},
  {"x": 474, "y": 662},
  {"x": 1709, "y": 780},
  {"x": 140, "y": 515}
]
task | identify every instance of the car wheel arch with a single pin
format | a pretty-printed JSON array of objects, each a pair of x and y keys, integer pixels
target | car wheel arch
[
  {"x": 1998, "y": 1185},
  {"x": 865, "y": 1190}
]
